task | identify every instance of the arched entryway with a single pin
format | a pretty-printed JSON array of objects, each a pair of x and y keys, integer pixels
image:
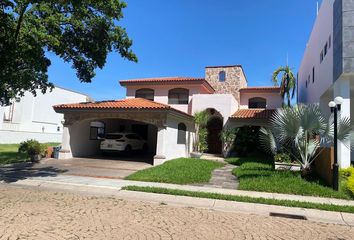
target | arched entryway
[{"x": 214, "y": 127}]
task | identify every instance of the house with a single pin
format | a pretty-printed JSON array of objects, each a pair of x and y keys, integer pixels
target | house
[
  {"x": 327, "y": 67},
  {"x": 31, "y": 117},
  {"x": 161, "y": 111}
]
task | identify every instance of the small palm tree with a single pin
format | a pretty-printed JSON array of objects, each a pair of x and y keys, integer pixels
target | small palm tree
[
  {"x": 300, "y": 131},
  {"x": 287, "y": 82}
]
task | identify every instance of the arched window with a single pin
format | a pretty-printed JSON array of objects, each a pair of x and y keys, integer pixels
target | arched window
[
  {"x": 257, "y": 102},
  {"x": 145, "y": 93},
  {"x": 181, "y": 136},
  {"x": 97, "y": 130},
  {"x": 222, "y": 76},
  {"x": 178, "y": 96}
]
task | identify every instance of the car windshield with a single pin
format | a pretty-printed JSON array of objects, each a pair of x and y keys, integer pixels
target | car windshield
[{"x": 113, "y": 136}]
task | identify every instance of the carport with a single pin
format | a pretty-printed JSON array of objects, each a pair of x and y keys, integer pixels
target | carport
[{"x": 157, "y": 123}]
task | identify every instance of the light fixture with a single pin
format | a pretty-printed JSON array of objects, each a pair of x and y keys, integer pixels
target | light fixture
[
  {"x": 331, "y": 104},
  {"x": 338, "y": 100}
]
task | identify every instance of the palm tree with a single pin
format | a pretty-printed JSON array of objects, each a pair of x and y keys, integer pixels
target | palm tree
[
  {"x": 300, "y": 131},
  {"x": 287, "y": 82}
]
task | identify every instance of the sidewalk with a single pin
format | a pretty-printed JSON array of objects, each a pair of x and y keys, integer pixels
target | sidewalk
[
  {"x": 118, "y": 184},
  {"x": 107, "y": 187}
]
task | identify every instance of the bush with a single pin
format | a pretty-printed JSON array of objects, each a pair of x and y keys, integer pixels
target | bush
[
  {"x": 32, "y": 148},
  {"x": 350, "y": 184},
  {"x": 346, "y": 172},
  {"x": 282, "y": 157},
  {"x": 246, "y": 141}
]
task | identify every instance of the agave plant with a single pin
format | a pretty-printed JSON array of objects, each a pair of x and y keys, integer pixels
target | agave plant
[{"x": 300, "y": 131}]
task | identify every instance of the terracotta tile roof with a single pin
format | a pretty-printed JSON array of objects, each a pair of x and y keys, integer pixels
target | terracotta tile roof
[
  {"x": 124, "y": 104},
  {"x": 168, "y": 80},
  {"x": 253, "y": 114},
  {"x": 265, "y": 88},
  {"x": 131, "y": 103}
]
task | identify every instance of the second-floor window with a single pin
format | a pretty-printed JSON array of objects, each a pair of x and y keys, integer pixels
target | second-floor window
[
  {"x": 178, "y": 96},
  {"x": 257, "y": 102},
  {"x": 222, "y": 76},
  {"x": 145, "y": 93}
]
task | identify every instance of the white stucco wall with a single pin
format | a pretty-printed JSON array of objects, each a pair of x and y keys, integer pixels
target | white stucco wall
[
  {"x": 273, "y": 99},
  {"x": 161, "y": 94},
  {"x": 225, "y": 104},
  {"x": 322, "y": 31},
  {"x": 34, "y": 117}
]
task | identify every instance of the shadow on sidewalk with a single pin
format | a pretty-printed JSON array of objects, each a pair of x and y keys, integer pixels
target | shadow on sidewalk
[{"x": 27, "y": 170}]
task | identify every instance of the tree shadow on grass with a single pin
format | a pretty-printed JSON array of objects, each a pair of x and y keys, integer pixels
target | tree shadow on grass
[{"x": 27, "y": 170}]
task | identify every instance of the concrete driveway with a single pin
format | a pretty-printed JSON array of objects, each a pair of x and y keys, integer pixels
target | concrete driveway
[{"x": 99, "y": 167}]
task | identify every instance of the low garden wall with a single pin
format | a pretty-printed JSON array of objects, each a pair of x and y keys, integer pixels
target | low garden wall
[{"x": 324, "y": 164}]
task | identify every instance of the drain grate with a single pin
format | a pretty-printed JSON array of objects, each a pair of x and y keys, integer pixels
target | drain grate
[{"x": 284, "y": 215}]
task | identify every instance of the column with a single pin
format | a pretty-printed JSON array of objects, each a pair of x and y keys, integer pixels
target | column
[
  {"x": 160, "y": 156},
  {"x": 65, "y": 151},
  {"x": 342, "y": 89}
]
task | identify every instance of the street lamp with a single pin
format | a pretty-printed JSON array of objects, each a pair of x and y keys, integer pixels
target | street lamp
[{"x": 335, "y": 108}]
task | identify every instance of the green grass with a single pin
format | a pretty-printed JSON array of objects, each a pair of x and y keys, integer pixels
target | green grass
[
  {"x": 9, "y": 153},
  {"x": 178, "y": 171},
  {"x": 255, "y": 174},
  {"x": 287, "y": 203}
]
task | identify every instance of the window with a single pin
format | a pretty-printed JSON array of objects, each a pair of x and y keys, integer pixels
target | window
[
  {"x": 325, "y": 49},
  {"x": 181, "y": 136},
  {"x": 257, "y": 102},
  {"x": 306, "y": 83},
  {"x": 222, "y": 76},
  {"x": 97, "y": 130},
  {"x": 313, "y": 74},
  {"x": 329, "y": 42},
  {"x": 178, "y": 96},
  {"x": 321, "y": 56},
  {"x": 58, "y": 129},
  {"x": 145, "y": 93}
]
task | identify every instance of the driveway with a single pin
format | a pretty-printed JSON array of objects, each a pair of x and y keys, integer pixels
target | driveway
[{"x": 99, "y": 167}]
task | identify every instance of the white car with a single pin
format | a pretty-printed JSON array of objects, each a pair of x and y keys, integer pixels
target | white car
[{"x": 119, "y": 142}]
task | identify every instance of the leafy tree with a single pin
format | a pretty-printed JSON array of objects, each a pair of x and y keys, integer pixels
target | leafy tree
[
  {"x": 81, "y": 32},
  {"x": 200, "y": 140},
  {"x": 287, "y": 83}
]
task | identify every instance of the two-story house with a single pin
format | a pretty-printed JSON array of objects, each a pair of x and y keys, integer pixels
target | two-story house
[{"x": 161, "y": 111}]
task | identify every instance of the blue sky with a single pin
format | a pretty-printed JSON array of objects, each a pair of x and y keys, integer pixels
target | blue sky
[{"x": 181, "y": 37}]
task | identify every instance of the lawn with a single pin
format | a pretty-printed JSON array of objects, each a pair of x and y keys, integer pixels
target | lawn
[
  {"x": 256, "y": 174},
  {"x": 287, "y": 203},
  {"x": 9, "y": 153},
  {"x": 178, "y": 171}
]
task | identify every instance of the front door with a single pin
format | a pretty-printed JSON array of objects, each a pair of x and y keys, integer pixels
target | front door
[{"x": 214, "y": 127}]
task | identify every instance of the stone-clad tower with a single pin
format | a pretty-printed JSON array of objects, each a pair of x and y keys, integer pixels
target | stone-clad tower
[{"x": 226, "y": 79}]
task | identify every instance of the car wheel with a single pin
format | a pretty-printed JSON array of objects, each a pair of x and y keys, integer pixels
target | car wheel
[{"x": 128, "y": 149}]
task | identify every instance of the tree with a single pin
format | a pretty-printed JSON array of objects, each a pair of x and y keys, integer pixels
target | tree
[
  {"x": 81, "y": 32},
  {"x": 201, "y": 120},
  {"x": 300, "y": 131},
  {"x": 228, "y": 136},
  {"x": 287, "y": 83}
]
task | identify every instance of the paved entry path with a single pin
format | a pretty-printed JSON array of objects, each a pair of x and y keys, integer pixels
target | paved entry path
[{"x": 222, "y": 178}]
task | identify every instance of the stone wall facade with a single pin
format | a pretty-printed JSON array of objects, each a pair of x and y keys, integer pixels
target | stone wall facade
[{"x": 235, "y": 80}]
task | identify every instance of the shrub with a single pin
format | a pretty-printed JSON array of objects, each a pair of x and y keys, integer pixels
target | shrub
[
  {"x": 282, "y": 157},
  {"x": 350, "y": 184},
  {"x": 347, "y": 172},
  {"x": 32, "y": 147},
  {"x": 246, "y": 140}
]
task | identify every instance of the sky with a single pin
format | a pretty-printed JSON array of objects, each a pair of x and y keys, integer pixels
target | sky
[{"x": 181, "y": 37}]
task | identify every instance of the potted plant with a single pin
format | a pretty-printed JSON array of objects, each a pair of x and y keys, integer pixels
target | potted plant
[
  {"x": 33, "y": 149},
  {"x": 282, "y": 161},
  {"x": 201, "y": 134}
]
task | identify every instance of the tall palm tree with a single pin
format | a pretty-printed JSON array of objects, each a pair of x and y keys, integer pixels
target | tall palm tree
[{"x": 287, "y": 82}]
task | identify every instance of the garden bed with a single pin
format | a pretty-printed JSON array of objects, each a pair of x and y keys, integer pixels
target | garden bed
[
  {"x": 257, "y": 174},
  {"x": 178, "y": 171}
]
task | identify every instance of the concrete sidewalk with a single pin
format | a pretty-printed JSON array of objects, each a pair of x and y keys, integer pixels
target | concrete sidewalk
[
  {"x": 112, "y": 188},
  {"x": 117, "y": 184}
]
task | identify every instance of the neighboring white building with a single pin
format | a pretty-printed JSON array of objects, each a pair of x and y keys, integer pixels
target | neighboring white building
[
  {"x": 30, "y": 117},
  {"x": 327, "y": 67}
]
